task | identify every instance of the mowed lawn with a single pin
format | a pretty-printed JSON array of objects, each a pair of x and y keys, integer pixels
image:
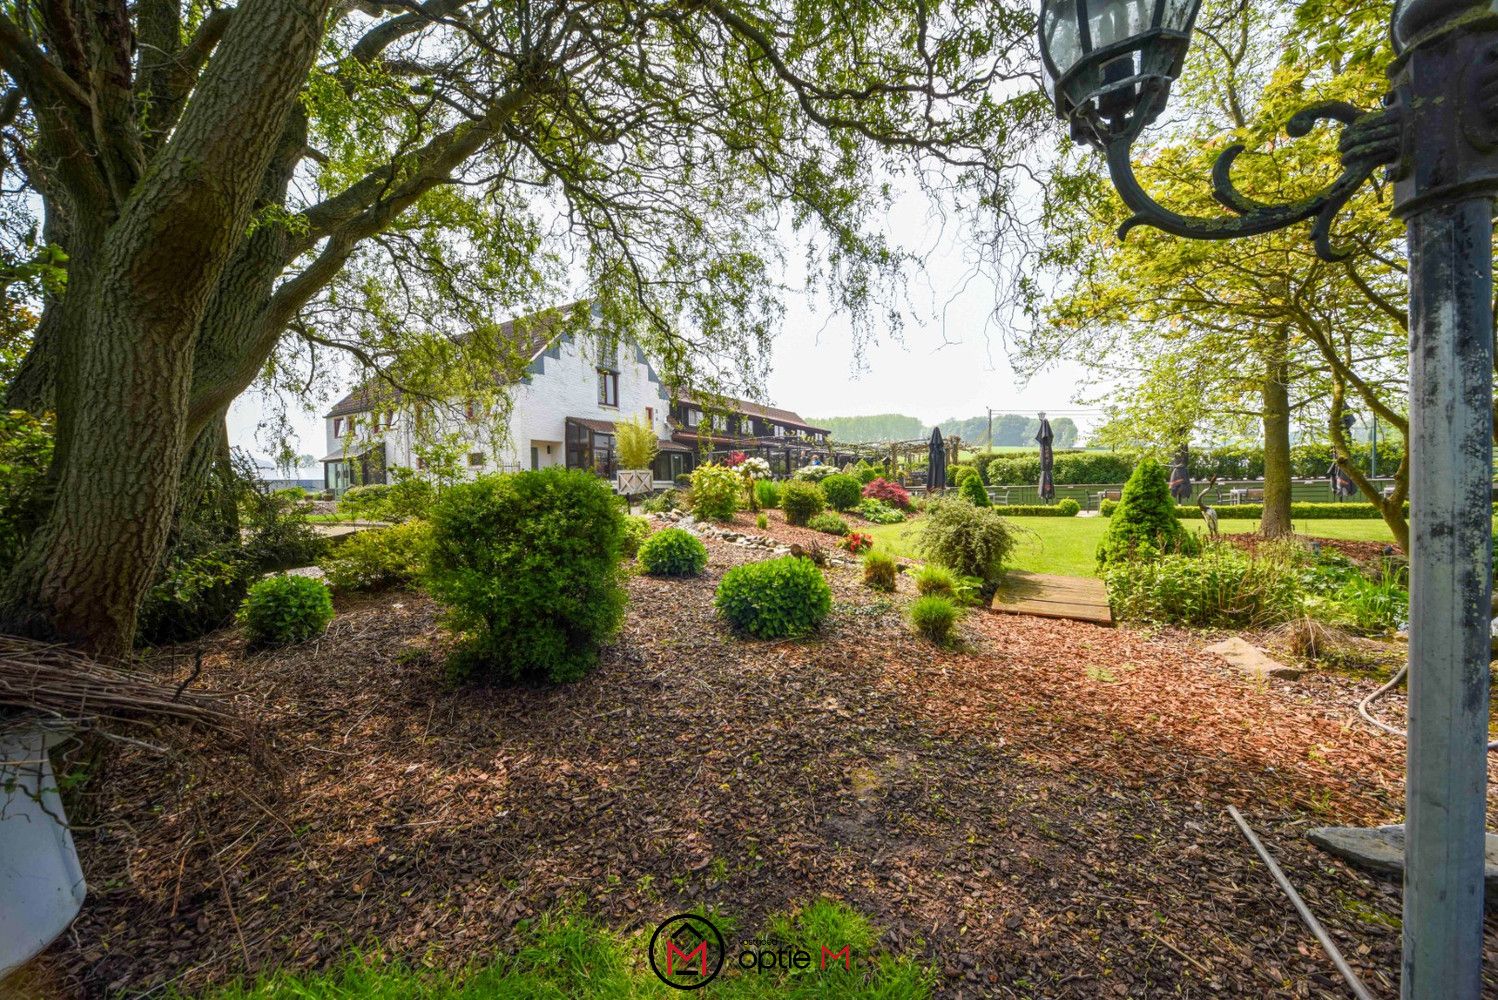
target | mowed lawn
[{"x": 1066, "y": 545}]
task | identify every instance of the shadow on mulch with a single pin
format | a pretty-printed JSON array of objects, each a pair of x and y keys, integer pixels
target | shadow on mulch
[{"x": 1040, "y": 814}]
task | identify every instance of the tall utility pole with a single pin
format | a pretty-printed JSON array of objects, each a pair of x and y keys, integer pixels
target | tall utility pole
[{"x": 990, "y": 428}]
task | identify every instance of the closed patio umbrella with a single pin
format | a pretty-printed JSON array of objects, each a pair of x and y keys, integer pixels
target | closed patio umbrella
[
  {"x": 1047, "y": 460},
  {"x": 1180, "y": 476},
  {"x": 936, "y": 462}
]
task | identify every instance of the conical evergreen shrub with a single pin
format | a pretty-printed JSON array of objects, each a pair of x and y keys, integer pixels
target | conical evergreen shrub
[{"x": 1145, "y": 525}]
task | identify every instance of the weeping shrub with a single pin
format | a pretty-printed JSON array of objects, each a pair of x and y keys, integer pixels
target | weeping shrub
[
  {"x": 527, "y": 567},
  {"x": 891, "y": 493},
  {"x": 968, "y": 540}
]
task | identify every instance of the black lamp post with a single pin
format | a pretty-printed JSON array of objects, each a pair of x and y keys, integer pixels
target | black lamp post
[{"x": 1110, "y": 65}]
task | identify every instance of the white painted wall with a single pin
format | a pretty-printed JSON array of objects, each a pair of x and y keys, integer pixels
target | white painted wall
[{"x": 563, "y": 383}]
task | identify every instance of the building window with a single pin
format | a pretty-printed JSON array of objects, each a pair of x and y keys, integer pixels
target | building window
[
  {"x": 608, "y": 351},
  {"x": 608, "y": 387},
  {"x": 779, "y": 430},
  {"x": 650, "y": 415},
  {"x": 694, "y": 416},
  {"x": 475, "y": 459},
  {"x": 338, "y": 427}
]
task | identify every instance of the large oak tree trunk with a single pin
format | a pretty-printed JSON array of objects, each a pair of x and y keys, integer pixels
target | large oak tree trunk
[
  {"x": 126, "y": 334},
  {"x": 1275, "y": 521}
]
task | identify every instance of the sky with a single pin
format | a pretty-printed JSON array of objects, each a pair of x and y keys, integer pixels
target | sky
[{"x": 950, "y": 360}]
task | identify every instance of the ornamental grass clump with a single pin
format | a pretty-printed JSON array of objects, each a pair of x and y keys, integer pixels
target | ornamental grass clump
[
  {"x": 775, "y": 598},
  {"x": 967, "y": 539},
  {"x": 879, "y": 569},
  {"x": 527, "y": 567},
  {"x": 715, "y": 492},
  {"x": 767, "y": 492},
  {"x": 1145, "y": 525},
  {"x": 801, "y": 502},
  {"x": 933, "y": 618},
  {"x": 1224, "y": 588},
  {"x": 673, "y": 552},
  {"x": 842, "y": 492},
  {"x": 286, "y": 609}
]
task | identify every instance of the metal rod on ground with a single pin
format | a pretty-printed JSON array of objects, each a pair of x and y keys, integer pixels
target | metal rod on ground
[{"x": 1358, "y": 989}]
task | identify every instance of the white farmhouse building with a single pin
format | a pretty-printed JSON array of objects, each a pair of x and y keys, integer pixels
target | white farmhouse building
[{"x": 562, "y": 412}]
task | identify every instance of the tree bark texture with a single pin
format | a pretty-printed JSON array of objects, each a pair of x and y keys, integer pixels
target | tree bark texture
[{"x": 1275, "y": 521}]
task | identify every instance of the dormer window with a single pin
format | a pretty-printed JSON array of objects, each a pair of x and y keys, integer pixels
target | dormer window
[{"x": 338, "y": 427}]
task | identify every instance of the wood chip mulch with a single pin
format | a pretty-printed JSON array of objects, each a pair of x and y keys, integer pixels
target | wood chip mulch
[{"x": 1037, "y": 814}]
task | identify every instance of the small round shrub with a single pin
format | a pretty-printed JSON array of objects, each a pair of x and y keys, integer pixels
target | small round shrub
[
  {"x": 775, "y": 598},
  {"x": 636, "y": 530},
  {"x": 1068, "y": 507},
  {"x": 973, "y": 492},
  {"x": 879, "y": 571},
  {"x": 363, "y": 503},
  {"x": 673, "y": 552},
  {"x": 866, "y": 474},
  {"x": 284, "y": 609},
  {"x": 661, "y": 502},
  {"x": 891, "y": 493},
  {"x": 829, "y": 524},
  {"x": 372, "y": 560},
  {"x": 761, "y": 522},
  {"x": 715, "y": 492},
  {"x": 936, "y": 581},
  {"x": 767, "y": 492},
  {"x": 959, "y": 474},
  {"x": 933, "y": 618},
  {"x": 878, "y": 512},
  {"x": 801, "y": 501},
  {"x": 527, "y": 567},
  {"x": 842, "y": 492}
]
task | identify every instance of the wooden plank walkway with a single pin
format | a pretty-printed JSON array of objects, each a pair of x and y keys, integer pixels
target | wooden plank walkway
[{"x": 1082, "y": 598}]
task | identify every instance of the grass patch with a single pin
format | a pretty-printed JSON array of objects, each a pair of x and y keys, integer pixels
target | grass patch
[
  {"x": 1068, "y": 545},
  {"x": 568, "y": 956}
]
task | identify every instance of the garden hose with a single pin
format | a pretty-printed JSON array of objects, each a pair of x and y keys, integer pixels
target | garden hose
[{"x": 1368, "y": 716}]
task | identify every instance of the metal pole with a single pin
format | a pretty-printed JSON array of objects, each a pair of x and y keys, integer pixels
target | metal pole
[{"x": 1451, "y": 448}]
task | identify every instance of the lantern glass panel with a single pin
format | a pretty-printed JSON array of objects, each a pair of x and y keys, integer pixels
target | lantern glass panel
[
  {"x": 1114, "y": 21},
  {"x": 1061, "y": 36},
  {"x": 1178, "y": 14}
]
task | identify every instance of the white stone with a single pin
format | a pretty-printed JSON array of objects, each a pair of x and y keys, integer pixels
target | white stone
[{"x": 1252, "y": 660}]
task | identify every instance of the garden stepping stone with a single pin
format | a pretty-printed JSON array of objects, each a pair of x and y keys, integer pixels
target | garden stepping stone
[
  {"x": 1381, "y": 849},
  {"x": 1252, "y": 660}
]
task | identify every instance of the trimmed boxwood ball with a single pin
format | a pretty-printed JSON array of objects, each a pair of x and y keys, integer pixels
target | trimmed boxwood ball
[
  {"x": 1068, "y": 507},
  {"x": 801, "y": 501},
  {"x": 285, "y": 609},
  {"x": 673, "y": 552},
  {"x": 959, "y": 474},
  {"x": 527, "y": 567},
  {"x": 775, "y": 598},
  {"x": 842, "y": 492}
]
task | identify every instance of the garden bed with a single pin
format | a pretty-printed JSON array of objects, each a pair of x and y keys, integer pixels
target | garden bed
[{"x": 1039, "y": 814}]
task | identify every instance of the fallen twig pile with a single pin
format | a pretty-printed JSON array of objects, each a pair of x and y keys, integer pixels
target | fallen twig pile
[{"x": 65, "y": 684}]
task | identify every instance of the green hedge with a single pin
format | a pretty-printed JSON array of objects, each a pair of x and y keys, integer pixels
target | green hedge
[
  {"x": 1307, "y": 461},
  {"x": 1350, "y": 511},
  {"x": 1062, "y": 509}
]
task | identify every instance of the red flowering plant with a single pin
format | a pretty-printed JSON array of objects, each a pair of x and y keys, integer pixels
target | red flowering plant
[
  {"x": 735, "y": 459},
  {"x": 856, "y": 542},
  {"x": 891, "y": 493}
]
